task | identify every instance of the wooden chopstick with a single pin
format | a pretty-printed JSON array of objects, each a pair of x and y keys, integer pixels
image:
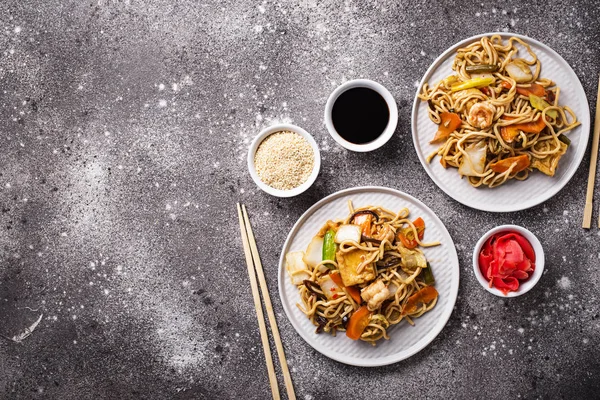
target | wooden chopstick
[
  {"x": 587, "y": 214},
  {"x": 268, "y": 305},
  {"x": 258, "y": 306},
  {"x": 255, "y": 268}
]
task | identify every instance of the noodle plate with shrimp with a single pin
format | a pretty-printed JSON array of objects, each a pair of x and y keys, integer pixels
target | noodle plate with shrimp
[
  {"x": 497, "y": 118},
  {"x": 364, "y": 274}
]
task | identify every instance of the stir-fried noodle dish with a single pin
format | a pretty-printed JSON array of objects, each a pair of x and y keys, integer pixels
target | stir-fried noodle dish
[
  {"x": 497, "y": 118},
  {"x": 364, "y": 273}
]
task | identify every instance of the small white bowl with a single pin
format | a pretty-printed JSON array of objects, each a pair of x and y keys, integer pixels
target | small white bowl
[
  {"x": 387, "y": 132},
  {"x": 258, "y": 140},
  {"x": 524, "y": 286}
]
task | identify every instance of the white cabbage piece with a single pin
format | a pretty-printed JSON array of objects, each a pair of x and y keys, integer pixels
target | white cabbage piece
[
  {"x": 519, "y": 71},
  {"x": 296, "y": 267},
  {"x": 331, "y": 290},
  {"x": 348, "y": 232},
  {"x": 314, "y": 252},
  {"x": 473, "y": 163}
]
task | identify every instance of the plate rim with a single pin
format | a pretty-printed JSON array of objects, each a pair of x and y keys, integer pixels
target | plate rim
[
  {"x": 554, "y": 189},
  {"x": 454, "y": 284}
]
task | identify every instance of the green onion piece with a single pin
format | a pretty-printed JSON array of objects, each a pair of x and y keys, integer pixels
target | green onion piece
[
  {"x": 427, "y": 275},
  {"x": 329, "y": 247},
  {"x": 475, "y": 69},
  {"x": 541, "y": 104},
  {"x": 563, "y": 138},
  {"x": 472, "y": 83}
]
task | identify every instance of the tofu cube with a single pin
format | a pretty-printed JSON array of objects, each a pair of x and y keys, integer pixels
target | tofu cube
[{"x": 348, "y": 264}]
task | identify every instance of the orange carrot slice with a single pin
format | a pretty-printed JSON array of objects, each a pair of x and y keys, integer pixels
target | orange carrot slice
[
  {"x": 449, "y": 123},
  {"x": 535, "y": 89},
  {"x": 423, "y": 296},
  {"x": 521, "y": 161},
  {"x": 510, "y": 132},
  {"x": 358, "y": 322},
  {"x": 353, "y": 291}
]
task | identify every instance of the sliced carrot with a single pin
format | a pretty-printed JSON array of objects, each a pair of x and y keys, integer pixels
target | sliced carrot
[
  {"x": 423, "y": 296},
  {"x": 364, "y": 221},
  {"x": 407, "y": 236},
  {"x": 506, "y": 85},
  {"x": 358, "y": 322},
  {"x": 521, "y": 161},
  {"x": 449, "y": 123},
  {"x": 535, "y": 89},
  {"x": 353, "y": 291},
  {"x": 510, "y": 132},
  {"x": 336, "y": 278}
]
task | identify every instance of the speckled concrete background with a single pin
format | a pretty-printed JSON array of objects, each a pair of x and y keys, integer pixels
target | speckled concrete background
[{"x": 124, "y": 129}]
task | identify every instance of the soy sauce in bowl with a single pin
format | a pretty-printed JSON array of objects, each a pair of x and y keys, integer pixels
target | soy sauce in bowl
[{"x": 360, "y": 115}]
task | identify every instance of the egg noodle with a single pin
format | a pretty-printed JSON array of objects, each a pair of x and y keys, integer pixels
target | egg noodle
[
  {"x": 501, "y": 102},
  {"x": 397, "y": 275}
]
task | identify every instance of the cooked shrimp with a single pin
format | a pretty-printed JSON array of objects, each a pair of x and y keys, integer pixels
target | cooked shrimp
[
  {"x": 375, "y": 294},
  {"x": 481, "y": 114},
  {"x": 385, "y": 233}
]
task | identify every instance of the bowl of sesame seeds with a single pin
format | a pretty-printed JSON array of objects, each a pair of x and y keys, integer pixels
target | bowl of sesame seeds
[{"x": 284, "y": 160}]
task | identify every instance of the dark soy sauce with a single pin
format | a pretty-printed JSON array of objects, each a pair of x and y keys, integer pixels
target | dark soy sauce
[{"x": 360, "y": 115}]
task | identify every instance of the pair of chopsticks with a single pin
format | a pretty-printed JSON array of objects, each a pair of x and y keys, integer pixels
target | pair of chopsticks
[
  {"x": 587, "y": 214},
  {"x": 255, "y": 268}
]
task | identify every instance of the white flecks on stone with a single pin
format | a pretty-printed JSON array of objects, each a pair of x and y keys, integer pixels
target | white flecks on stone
[
  {"x": 521, "y": 330},
  {"x": 162, "y": 103},
  {"x": 161, "y": 86},
  {"x": 17, "y": 29},
  {"x": 564, "y": 283}
]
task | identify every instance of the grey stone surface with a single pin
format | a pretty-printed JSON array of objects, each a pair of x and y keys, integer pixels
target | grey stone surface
[{"x": 124, "y": 130}]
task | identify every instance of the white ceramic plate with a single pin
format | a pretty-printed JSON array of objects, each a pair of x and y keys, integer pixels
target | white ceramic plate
[
  {"x": 405, "y": 340},
  {"x": 514, "y": 195}
]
